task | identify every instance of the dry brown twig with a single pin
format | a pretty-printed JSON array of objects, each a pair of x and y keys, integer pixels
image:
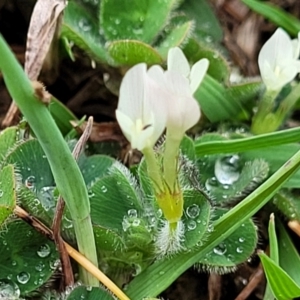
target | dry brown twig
[{"x": 43, "y": 29}]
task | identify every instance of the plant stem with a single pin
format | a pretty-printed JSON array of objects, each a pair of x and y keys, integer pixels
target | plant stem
[
  {"x": 287, "y": 104},
  {"x": 265, "y": 120},
  {"x": 65, "y": 170}
]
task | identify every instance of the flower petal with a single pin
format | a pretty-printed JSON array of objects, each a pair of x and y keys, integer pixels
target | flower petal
[
  {"x": 183, "y": 109},
  {"x": 198, "y": 72},
  {"x": 177, "y": 62},
  {"x": 155, "y": 108},
  {"x": 126, "y": 124},
  {"x": 276, "y": 53},
  {"x": 132, "y": 91}
]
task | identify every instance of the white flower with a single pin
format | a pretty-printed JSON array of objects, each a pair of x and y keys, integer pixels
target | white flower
[
  {"x": 177, "y": 62},
  {"x": 183, "y": 110},
  {"x": 181, "y": 82},
  {"x": 141, "y": 111},
  {"x": 278, "y": 60}
]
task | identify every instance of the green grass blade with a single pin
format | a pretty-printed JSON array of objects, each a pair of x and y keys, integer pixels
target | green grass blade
[
  {"x": 248, "y": 143},
  {"x": 65, "y": 169},
  {"x": 275, "y": 15},
  {"x": 282, "y": 285},
  {"x": 274, "y": 255},
  {"x": 289, "y": 258}
]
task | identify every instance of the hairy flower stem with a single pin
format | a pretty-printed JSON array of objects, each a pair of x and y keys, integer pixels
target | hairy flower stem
[{"x": 265, "y": 119}]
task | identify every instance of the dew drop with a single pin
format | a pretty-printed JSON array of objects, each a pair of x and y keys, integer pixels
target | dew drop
[
  {"x": 13, "y": 263},
  {"x": 136, "y": 222},
  {"x": 40, "y": 266},
  {"x": 91, "y": 194},
  {"x": 67, "y": 223},
  {"x": 132, "y": 213},
  {"x": 221, "y": 249},
  {"x": 241, "y": 239},
  {"x": 23, "y": 277},
  {"x": 211, "y": 183},
  {"x": 138, "y": 31},
  {"x": 193, "y": 211},
  {"x": 46, "y": 197},
  {"x": 191, "y": 225},
  {"x": 44, "y": 251},
  {"x": 1, "y": 193},
  {"x": 208, "y": 39},
  {"x": 9, "y": 289},
  {"x": 30, "y": 182},
  {"x": 103, "y": 189},
  {"x": 210, "y": 228},
  {"x": 84, "y": 24},
  {"x": 230, "y": 257},
  {"x": 239, "y": 249},
  {"x": 159, "y": 213},
  {"x": 54, "y": 264},
  {"x": 125, "y": 224},
  {"x": 29, "y": 233},
  {"x": 227, "y": 169},
  {"x": 225, "y": 186}
]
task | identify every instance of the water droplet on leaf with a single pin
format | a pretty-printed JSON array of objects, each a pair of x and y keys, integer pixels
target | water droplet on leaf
[
  {"x": 239, "y": 249},
  {"x": 103, "y": 189},
  {"x": 23, "y": 277},
  {"x": 211, "y": 183},
  {"x": 221, "y": 249},
  {"x": 227, "y": 169},
  {"x": 44, "y": 251},
  {"x": 84, "y": 24},
  {"x": 193, "y": 211},
  {"x": 46, "y": 197},
  {"x": 40, "y": 266},
  {"x": 132, "y": 213},
  {"x": 191, "y": 225},
  {"x": 30, "y": 182}
]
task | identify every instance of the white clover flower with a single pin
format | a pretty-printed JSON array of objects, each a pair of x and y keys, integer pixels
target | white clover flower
[
  {"x": 141, "y": 111},
  {"x": 183, "y": 110},
  {"x": 278, "y": 60},
  {"x": 177, "y": 62},
  {"x": 181, "y": 82}
]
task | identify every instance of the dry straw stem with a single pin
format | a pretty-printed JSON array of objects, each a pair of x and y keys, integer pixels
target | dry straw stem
[{"x": 295, "y": 226}]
